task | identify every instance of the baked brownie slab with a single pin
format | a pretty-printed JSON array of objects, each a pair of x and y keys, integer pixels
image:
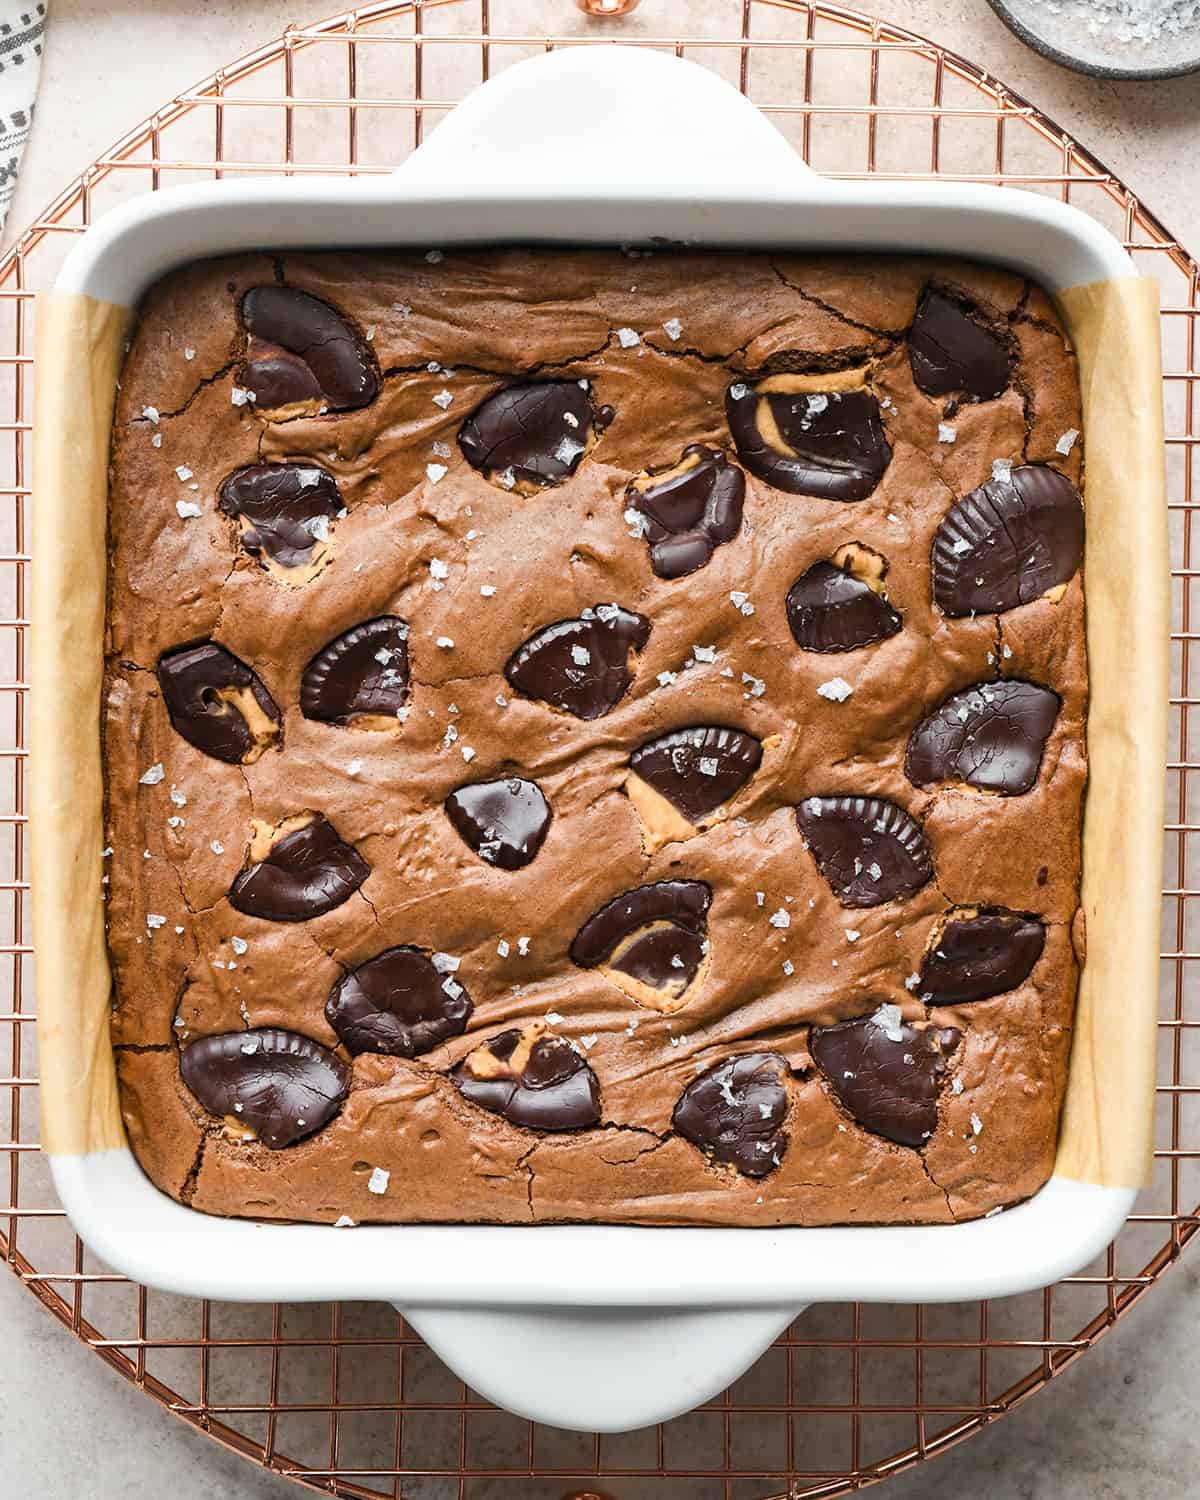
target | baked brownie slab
[{"x": 595, "y": 736}]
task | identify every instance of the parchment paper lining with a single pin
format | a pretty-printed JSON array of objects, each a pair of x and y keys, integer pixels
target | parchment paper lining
[
  {"x": 79, "y": 347},
  {"x": 1107, "y": 1128}
]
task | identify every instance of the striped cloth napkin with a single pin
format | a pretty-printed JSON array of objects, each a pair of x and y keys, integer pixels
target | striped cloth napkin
[{"x": 22, "y": 25}]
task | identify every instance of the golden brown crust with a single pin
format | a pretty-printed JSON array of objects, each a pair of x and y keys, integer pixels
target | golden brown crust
[{"x": 491, "y": 315}]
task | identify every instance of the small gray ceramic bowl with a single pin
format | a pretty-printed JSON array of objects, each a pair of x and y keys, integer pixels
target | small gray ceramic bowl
[{"x": 1063, "y": 35}]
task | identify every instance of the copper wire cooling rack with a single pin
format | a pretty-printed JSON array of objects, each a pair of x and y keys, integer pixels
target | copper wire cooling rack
[{"x": 346, "y": 1398}]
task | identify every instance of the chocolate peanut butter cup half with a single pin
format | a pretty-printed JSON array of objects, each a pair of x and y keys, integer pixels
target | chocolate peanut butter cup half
[
  {"x": 991, "y": 736},
  {"x": 285, "y": 513},
  {"x": 952, "y": 353},
  {"x": 681, "y": 780},
  {"x": 1017, "y": 538},
  {"x": 218, "y": 703},
  {"x": 810, "y": 434},
  {"x": 531, "y": 435},
  {"x": 840, "y": 605},
  {"x": 360, "y": 679},
  {"x": 734, "y": 1113},
  {"x": 302, "y": 355},
  {"x": 974, "y": 955},
  {"x": 687, "y": 511},
  {"x": 581, "y": 666},
  {"x": 869, "y": 851},
  {"x": 652, "y": 942},
  {"x": 268, "y": 1085},
  {"x": 505, "y": 821},
  {"x": 297, "y": 871},
  {"x": 533, "y": 1078},
  {"x": 887, "y": 1074},
  {"x": 402, "y": 1002}
]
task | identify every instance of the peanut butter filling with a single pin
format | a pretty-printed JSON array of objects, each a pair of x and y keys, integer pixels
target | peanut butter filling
[
  {"x": 265, "y": 836},
  {"x": 263, "y": 729},
  {"x": 818, "y": 383},
  {"x": 483, "y": 1062},
  {"x": 863, "y": 563},
  {"x": 671, "y": 997}
]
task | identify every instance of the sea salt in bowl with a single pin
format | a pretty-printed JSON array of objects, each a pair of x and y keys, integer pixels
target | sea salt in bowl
[{"x": 1110, "y": 38}]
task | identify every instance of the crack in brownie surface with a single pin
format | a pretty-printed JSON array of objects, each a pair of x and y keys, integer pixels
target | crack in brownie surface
[{"x": 611, "y": 729}]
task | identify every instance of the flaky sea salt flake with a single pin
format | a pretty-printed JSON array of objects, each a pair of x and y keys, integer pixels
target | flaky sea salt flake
[
  {"x": 378, "y": 1180},
  {"x": 837, "y": 690},
  {"x": 889, "y": 1021},
  {"x": 152, "y": 776}
]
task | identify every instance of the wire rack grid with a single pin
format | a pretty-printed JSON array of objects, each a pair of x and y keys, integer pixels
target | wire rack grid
[{"x": 345, "y": 1398}]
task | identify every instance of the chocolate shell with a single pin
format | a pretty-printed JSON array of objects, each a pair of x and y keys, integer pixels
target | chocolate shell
[
  {"x": 991, "y": 736},
  {"x": 699, "y": 769},
  {"x": 399, "y": 1003},
  {"x": 828, "y": 444},
  {"x": 308, "y": 872},
  {"x": 979, "y": 955},
  {"x": 870, "y": 851},
  {"x": 887, "y": 1074},
  {"x": 505, "y": 822},
  {"x": 952, "y": 354},
  {"x": 303, "y": 352},
  {"x": 690, "y": 510},
  {"x": 1008, "y": 542},
  {"x": 360, "y": 679},
  {"x": 581, "y": 666},
  {"x": 286, "y": 509},
  {"x": 532, "y": 1078},
  {"x": 276, "y": 1084},
  {"x": 734, "y": 1113},
  {"x": 218, "y": 703},
  {"x": 829, "y": 609},
  {"x": 533, "y": 434}
]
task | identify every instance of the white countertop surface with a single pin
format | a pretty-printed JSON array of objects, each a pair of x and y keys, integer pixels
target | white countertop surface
[{"x": 1121, "y": 1424}]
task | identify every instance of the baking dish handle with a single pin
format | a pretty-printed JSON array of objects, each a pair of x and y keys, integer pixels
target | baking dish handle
[
  {"x": 604, "y": 1369},
  {"x": 590, "y": 121}
]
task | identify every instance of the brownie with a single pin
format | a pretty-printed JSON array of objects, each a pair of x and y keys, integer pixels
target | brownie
[{"x": 595, "y": 735}]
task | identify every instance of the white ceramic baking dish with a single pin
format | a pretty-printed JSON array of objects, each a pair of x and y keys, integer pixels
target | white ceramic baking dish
[{"x": 595, "y": 1327}]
